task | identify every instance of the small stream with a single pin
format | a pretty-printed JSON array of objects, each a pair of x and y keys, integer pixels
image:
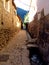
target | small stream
[{"x": 35, "y": 56}]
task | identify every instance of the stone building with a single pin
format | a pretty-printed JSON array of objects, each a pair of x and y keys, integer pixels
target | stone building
[
  {"x": 8, "y": 15},
  {"x": 39, "y": 28},
  {"x": 9, "y": 21},
  {"x": 33, "y": 27}
]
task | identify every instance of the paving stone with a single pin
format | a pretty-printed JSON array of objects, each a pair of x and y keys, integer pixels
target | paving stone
[
  {"x": 18, "y": 53},
  {"x": 5, "y": 36}
]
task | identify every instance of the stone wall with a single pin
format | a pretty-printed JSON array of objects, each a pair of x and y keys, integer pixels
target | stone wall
[
  {"x": 5, "y": 17},
  {"x": 1, "y": 5},
  {"x": 7, "y": 23},
  {"x": 33, "y": 28},
  {"x": 41, "y": 28},
  {"x": 8, "y": 19}
]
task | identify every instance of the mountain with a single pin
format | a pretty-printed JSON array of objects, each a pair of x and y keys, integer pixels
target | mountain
[{"x": 21, "y": 13}]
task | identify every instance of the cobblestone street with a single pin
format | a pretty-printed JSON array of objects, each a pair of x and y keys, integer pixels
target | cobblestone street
[{"x": 18, "y": 53}]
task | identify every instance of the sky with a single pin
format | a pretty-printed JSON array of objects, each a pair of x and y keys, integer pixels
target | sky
[
  {"x": 21, "y": 13},
  {"x": 26, "y": 5},
  {"x": 36, "y": 6},
  {"x": 43, "y": 4}
]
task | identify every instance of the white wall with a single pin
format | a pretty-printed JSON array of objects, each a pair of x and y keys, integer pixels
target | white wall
[{"x": 43, "y": 4}]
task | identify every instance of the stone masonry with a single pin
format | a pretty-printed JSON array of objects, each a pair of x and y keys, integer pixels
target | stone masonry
[{"x": 8, "y": 20}]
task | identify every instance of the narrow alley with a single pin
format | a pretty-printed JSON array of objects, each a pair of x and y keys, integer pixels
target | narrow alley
[
  {"x": 24, "y": 32},
  {"x": 17, "y": 51}
]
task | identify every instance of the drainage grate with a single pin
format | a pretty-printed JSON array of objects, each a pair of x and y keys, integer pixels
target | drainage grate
[{"x": 4, "y": 57}]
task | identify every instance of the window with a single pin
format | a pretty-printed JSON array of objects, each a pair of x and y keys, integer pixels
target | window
[
  {"x": 4, "y": 3},
  {"x": 7, "y": 5}
]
